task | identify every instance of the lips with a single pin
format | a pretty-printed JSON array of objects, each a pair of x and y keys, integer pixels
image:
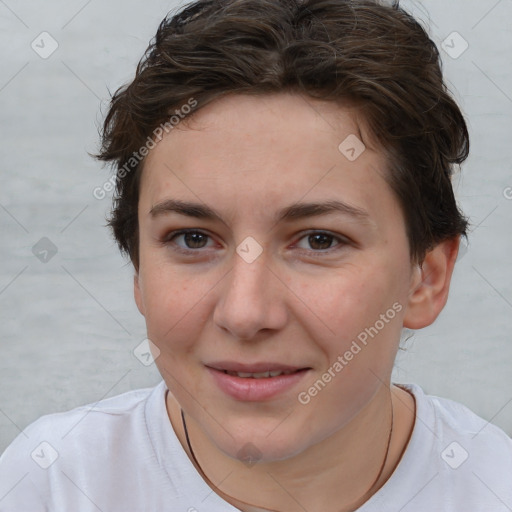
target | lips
[{"x": 257, "y": 381}]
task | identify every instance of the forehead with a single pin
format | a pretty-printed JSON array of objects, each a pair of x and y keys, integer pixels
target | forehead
[{"x": 262, "y": 151}]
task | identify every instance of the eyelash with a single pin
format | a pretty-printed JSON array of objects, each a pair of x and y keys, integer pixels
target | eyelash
[{"x": 169, "y": 239}]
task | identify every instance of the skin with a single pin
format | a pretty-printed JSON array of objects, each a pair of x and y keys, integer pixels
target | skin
[{"x": 301, "y": 302}]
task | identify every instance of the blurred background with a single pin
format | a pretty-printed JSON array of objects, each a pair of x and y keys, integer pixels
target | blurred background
[{"x": 69, "y": 328}]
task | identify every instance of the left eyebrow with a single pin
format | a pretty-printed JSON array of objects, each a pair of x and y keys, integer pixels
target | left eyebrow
[{"x": 303, "y": 210}]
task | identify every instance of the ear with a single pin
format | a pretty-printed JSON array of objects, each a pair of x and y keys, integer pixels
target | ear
[
  {"x": 137, "y": 293},
  {"x": 430, "y": 283}
]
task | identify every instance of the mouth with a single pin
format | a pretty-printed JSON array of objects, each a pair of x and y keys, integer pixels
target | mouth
[
  {"x": 260, "y": 370},
  {"x": 261, "y": 375},
  {"x": 256, "y": 382}
]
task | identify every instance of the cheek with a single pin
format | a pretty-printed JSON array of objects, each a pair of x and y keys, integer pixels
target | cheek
[
  {"x": 362, "y": 308},
  {"x": 356, "y": 298},
  {"x": 173, "y": 304},
  {"x": 364, "y": 317}
]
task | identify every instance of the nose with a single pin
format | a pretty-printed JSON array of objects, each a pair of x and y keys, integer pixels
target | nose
[{"x": 252, "y": 300}]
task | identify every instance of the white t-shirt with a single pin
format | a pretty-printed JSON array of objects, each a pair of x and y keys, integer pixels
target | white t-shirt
[{"x": 122, "y": 455}]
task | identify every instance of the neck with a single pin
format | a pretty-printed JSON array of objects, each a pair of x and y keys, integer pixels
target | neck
[{"x": 340, "y": 473}]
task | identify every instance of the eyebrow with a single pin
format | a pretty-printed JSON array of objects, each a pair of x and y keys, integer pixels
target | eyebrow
[{"x": 293, "y": 212}]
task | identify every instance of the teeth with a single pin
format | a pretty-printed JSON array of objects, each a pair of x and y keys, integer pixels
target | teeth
[{"x": 259, "y": 375}]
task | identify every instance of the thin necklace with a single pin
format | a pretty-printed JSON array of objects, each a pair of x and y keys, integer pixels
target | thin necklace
[{"x": 381, "y": 470}]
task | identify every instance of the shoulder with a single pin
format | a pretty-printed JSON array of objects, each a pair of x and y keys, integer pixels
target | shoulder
[
  {"x": 454, "y": 418},
  {"x": 472, "y": 454},
  {"x": 77, "y": 422},
  {"x": 89, "y": 434}
]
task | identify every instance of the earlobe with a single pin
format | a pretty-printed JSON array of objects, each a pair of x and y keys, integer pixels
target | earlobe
[
  {"x": 430, "y": 284},
  {"x": 137, "y": 293}
]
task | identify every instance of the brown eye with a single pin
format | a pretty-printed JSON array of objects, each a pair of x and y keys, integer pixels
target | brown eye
[
  {"x": 188, "y": 239},
  {"x": 194, "y": 240},
  {"x": 319, "y": 241}
]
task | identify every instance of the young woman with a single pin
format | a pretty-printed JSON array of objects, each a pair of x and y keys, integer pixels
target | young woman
[{"x": 284, "y": 195}]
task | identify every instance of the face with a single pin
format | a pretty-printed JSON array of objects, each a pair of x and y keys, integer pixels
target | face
[{"x": 264, "y": 248}]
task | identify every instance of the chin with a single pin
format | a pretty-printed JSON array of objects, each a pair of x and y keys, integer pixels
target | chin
[{"x": 256, "y": 445}]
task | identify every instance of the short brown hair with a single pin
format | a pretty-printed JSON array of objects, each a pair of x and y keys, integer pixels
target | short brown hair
[{"x": 363, "y": 52}]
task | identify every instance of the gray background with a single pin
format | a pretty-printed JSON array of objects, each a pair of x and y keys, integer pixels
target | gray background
[{"x": 69, "y": 325}]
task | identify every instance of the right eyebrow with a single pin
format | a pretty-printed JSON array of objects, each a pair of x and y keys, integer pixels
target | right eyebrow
[{"x": 196, "y": 210}]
